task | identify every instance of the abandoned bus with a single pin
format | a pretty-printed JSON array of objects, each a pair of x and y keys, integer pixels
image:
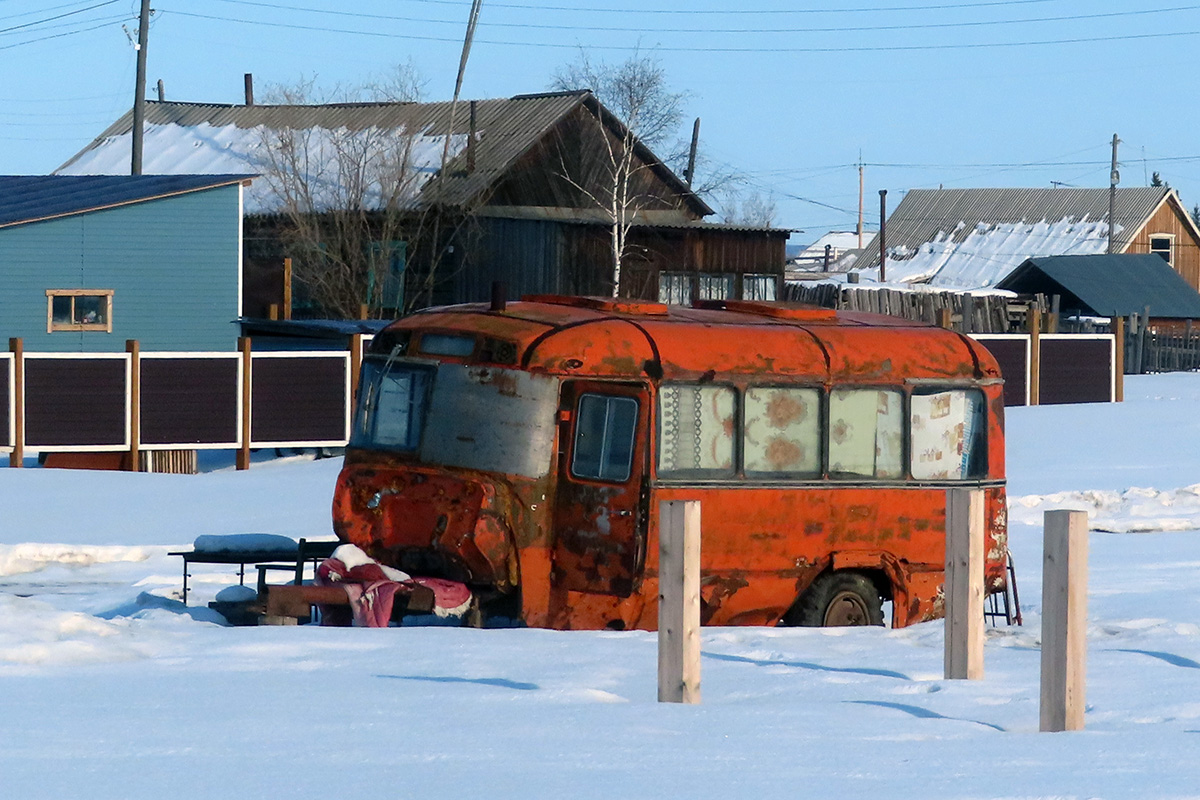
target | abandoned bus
[{"x": 523, "y": 449}]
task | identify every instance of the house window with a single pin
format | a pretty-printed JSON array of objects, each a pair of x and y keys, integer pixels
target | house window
[
  {"x": 716, "y": 287},
  {"x": 675, "y": 288},
  {"x": 79, "y": 310},
  {"x": 759, "y": 287},
  {"x": 1163, "y": 244}
]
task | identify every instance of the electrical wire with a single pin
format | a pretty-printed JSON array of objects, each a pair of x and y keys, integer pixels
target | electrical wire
[
  {"x": 58, "y": 16},
  {"x": 722, "y": 30},
  {"x": 692, "y": 12}
]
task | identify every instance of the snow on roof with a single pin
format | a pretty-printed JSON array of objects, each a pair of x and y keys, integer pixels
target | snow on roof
[
  {"x": 838, "y": 240},
  {"x": 205, "y": 148},
  {"x": 987, "y": 254}
]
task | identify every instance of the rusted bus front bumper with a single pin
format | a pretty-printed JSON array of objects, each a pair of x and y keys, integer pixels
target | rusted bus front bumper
[{"x": 429, "y": 521}]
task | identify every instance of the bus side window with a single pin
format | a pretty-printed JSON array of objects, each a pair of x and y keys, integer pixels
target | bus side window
[
  {"x": 604, "y": 430},
  {"x": 947, "y": 434},
  {"x": 866, "y": 433},
  {"x": 782, "y": 435},
  {"x": 696, "y": 430}
]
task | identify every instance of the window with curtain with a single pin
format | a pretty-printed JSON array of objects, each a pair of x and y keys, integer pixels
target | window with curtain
[
  {"x": 675, "y": 288},
  {"x": 696, "y": 430},
  {"x": 715, "y": 287},
  {"x": 866, "y": 433},
  {"x": 760, "y": 287},
  {"x": 947, "y": 434},
  {"x": 782, "y": 434}
]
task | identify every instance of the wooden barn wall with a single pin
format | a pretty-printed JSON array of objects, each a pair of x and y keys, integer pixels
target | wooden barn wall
[
  {"x": 1171, "y": 219},
  {"x": 528, "y": 256},
  {"x": 573, "y": 152}
]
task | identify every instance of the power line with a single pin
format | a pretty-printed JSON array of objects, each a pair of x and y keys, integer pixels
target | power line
[
  {"x": 723, "y": 29},
  {"x": 58, "y": 35},
  {"x": 757, "y": 49},
  {"x": 58, "y": 16},
  {"x": 744, "y": 12}
]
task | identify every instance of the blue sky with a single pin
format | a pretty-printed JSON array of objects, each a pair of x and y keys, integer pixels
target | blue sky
[{"x": 1017, "y": 93}]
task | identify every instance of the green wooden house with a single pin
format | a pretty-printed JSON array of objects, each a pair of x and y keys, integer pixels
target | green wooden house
[{"x": 89, "y": 261}]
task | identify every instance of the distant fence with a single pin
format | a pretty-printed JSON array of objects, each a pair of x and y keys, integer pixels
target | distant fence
[
  {"x": 134, "y": 401},
  {"x": 1052, "y": 368},
  {"x": 990, "y": 313}
]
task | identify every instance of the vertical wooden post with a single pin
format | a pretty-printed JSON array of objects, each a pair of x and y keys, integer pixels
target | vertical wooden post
[
  {"x": 944, "y": 318},
  {"x": 964, "y": 584},
  {"x": 243, "y": 455},
  {"x": 679, "y": 601},
  {"x": 1119, "y": 367},
  {"x": 1035, "y": 356},
  {"x": 356, "y": 354},
  {"x": 135, "y": 403},
  {"x": 287, "y": 288},
  {"x": 364, "y": 311},
  {"x": 1064, "y": 620},
  {"x": 17, "y": 457},
  {"x": 273, "y": 311}
]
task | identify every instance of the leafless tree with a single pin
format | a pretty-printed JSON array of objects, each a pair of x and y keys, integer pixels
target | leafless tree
[
  {"x": 345, "y": 196},
  {"x": 749, "y": 208}
]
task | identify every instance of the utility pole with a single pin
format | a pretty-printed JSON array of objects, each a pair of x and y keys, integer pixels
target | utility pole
[
  {"x": 691, "y": 164},
  {"x": 860, "y": 200},
  {"x": 1114, "y": 178},
  {"x": 139, "y": 93}
]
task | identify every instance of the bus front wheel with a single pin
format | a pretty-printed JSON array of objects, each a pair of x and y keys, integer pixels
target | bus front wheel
[{"x": 839, "y": 599}]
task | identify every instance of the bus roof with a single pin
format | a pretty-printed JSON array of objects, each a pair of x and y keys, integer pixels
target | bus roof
[{"x": 608, "y": 337}]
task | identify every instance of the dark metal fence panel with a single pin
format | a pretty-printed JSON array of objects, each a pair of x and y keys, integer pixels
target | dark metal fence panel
[
  {"x": 299, "y": 400},
  {"x": 1011, "y": 351},
  {"x": 190, "y": 400},
  {"x": 1076, "y": 368},
  {"x": 7, "y": 401},
  {"x": 77, "y": 402}
]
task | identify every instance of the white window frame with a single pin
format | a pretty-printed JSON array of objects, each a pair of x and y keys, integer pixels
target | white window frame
[{"x": 1170, "y": 237}]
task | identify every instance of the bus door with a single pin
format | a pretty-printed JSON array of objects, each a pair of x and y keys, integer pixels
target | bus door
[{"x": 600, "y": 511}]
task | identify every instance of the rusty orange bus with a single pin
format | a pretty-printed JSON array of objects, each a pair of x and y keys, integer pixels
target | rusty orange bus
[{"x": 523, "y": 449}]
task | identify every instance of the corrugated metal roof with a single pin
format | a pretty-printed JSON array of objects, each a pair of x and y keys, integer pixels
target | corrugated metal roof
[
  {"x": 924, "y": 215},
  {"x": 31, "y": 198},
  {"x": 508, "y": 128},
  {"x": 1107, "y": 285}
]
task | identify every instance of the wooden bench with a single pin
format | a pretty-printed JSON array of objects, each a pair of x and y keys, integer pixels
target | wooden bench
[{"x": 288, "y": 559}]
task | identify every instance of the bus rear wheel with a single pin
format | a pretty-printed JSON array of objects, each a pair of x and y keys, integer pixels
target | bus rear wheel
[{"x": 840, "y": 599}]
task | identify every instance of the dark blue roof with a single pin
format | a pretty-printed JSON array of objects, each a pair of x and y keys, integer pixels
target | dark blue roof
[
  {"x": 29, "y": 198},
  {"x": 1108, "y": 285}
]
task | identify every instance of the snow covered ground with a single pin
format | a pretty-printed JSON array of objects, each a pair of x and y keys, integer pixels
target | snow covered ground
[{"x": 110, "y": 688}]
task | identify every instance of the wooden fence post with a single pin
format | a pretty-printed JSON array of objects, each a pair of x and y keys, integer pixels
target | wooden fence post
[
  {"x": 135, "y": 403},
  {"x": 287, "y": 288},
  {"x": 1064, "y": 620},
  {"x": 679, "y": 601},
  {"x": 356, "y": 355},
  {"x": 243, "y": 455},
  {"x": 1035, "y": 356},
  {"x": 964, "y": 584},
  {"x": 17, "y": 457}
]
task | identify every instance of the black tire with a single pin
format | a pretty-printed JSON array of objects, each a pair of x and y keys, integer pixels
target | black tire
[{"x": 839, "y": 599}]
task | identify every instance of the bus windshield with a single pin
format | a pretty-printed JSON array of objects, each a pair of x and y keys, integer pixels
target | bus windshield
[{"x": 458, "y": 415}]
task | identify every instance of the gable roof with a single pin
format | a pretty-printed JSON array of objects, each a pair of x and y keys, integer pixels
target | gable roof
[
  {"x": 1109, "y": 284},
  {"x": 210, "y": 137},
  {"x": 33, "y": 198},
  {"x": 971, "y": 238}
]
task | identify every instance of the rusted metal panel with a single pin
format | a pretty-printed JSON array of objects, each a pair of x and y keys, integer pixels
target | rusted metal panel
[
  {"x": 78, "y": 403},
  {"x": 189, "y": 401}
]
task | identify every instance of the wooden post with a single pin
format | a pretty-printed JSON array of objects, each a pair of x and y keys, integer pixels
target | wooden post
[
  {"x": 968, "y": 314},
  {"x": 1035, "y": 356},
  {"x": 17, "y": 457},
  {"x": 287, "y": 288},
  {"x": 1064, "y": 620},
  {"x": 273, "y": 311},
  {"x": 135, "y": 403},
  {"x": 243, "y": 455},
  {"x": 1052, "y": 320},
  {"x": 364, "y": 311},
  {"x": 964, "y": 584},
  {"x": 679, "y": 601},
  {"x": 944, "y": 317},
  {"x": 356, "y": 354},
  {"x": 1119, "y": 367}
]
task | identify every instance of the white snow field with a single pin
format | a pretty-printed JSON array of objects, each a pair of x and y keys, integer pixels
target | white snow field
[{"x": 110, "y": 688}]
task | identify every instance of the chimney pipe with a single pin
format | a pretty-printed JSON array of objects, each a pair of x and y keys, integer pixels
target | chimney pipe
[
  {"x": 162, "y": 95},
  {"x": 471, "y": 142},
  {"x": 249, "y": 89},
  {"x": 882, "y": 235},
  {"x": 499, "y": 296}
]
